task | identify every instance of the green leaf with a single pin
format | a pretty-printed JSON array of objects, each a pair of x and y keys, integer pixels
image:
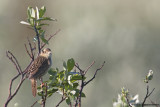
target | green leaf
[
  {"x": 68, "y": 101},
  {"x": 37, "y": 11},
  {"x": 25, "y": 23},
  {"x": 44, "y": 40},
  {"x": 83, "y": 95},
  {"x": 70, "y": 64},
  {"x": 61, "y": 75},
  {"x": 77, "y": 92},
  {"x": 31, "y": 12},
  {"x": 42, "y": 11},
  {"x": 38, "y": 28},
  {"x": 75, "y": 78},
  {"x": 52, "y": 90},
  {"x": 46, "y": 18},
  {"x": 39, "y": 88},
  {"x": 52, "y": 72},
  {"x": 75, "y": 85},
  {"x": 39, "y": 93},
  {"x": 64, "y": 65},
  {"x": 44, "y": 24},
  {"x": 49, "y": 95},
  {"x": 42, "y": 34},
  {"x": 31, "y": 21}
]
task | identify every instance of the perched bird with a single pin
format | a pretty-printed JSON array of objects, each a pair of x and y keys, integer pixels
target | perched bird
[{"x": 39, "y": 67}]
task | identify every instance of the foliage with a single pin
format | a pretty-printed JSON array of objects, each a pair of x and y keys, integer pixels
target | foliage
[
  {"x": 64, "y": 82},
  {"x": 36, "y": 20},
  {"x": 126, "y": 100},
  {"x": 149, "y": 76},
  {"x": 122, "y": 99}
]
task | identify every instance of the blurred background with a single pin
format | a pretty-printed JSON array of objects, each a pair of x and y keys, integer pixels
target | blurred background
[{"x": 124, "y": 33}]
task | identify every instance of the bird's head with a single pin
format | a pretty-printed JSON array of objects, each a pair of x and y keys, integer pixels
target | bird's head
[{"x": 46, "y": 53}]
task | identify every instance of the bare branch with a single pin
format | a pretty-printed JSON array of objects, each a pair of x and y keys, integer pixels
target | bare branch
[
  {"x": 83, "y": 84},
  {"x": 37, "y": 35},
  {"x": 33, "y": 104},
  {"x": 81, "y": 71},
  {"x": 95, "y": 74},
  {"x": 16, "y": 90},
  {"x": 11, "y": 82},
  {"x": 28, "y": 51},
  {"x": 20, "y": 73},
  {"x": 89, "y": 67},
  {"x": 31, "y": 49},
  {"x": 42, "y": 46},
  {"x": 147, "y": 95},
  {"x": 62, "y": 99},
  {"x": 156, "y": 105},
  {"x": 14, "y": 61},
  {"x": 128, "y": 101}
]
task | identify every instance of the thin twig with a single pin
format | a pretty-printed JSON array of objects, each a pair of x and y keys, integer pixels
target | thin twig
[
  {"x": 31, "y": 49},
  {"x": 62, "y": 99},
  {"x": 83, "y": 84},
  {"x": 89, "y": 67},
  {"x": 95, "y": 74},
  {"x": 42, "y": 46},
  {"x": 45, "y": 96},
  {"x": 37, "y": 35},
  {"x": 154, "y": 103},
  {"x": 128, "y": 101},
  {"x": 147, "y": 95},
  {"x": 43, "y": 100},
  {"x": 14, "y": 61},
  {"x": 33, "y": 104},
  {"x": 27, "y": 51},
  {"x": 10, "y": 85},
  {"x": 16, "y": 90}
]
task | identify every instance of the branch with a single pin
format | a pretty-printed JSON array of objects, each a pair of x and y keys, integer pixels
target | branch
[
  {"x": 89, "y": 67},
  {"x": 94, "y": 74},
  {"x": 83, "y": 84},
  {"x": 156, "y": 105},
  {"x": 37, "y": 35},
  {"x": 44, "y": 96},
  {"x": 62, "y": 99},
  {"x": 42, "y": 46},
  {"x": 13, "y": 59},
  {"x": 31, "y": 54},
  {"x": 33, "y": 104},
  {"x": 147, "y": 95},
  {"x": 16, "y": 90},
  {"x": 128, "y": 101}
]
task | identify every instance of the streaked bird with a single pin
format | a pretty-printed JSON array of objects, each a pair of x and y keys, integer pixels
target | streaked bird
[{"x": 39, "y": 67}]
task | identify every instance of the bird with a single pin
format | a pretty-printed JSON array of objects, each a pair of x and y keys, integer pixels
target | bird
[{"x": 38, "y": 68}]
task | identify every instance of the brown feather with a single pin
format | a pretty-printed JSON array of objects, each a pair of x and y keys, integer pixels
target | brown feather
[{"x": 34, "y": 87}]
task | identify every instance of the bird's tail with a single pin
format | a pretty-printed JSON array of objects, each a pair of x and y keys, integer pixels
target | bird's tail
[{"x": 34, "y": 87}]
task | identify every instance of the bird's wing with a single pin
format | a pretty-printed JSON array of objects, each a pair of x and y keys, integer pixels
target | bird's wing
[{"x": 38, "y": 67}]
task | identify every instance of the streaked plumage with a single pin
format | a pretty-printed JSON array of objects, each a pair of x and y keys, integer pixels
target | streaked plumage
[{"x": 39, "y": 67}]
